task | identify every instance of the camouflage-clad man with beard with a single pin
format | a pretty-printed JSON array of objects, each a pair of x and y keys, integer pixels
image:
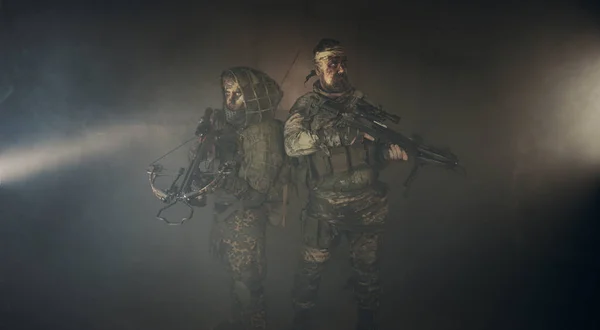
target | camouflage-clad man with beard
[
  {"x": 345, "y": 196},
  {"x": 251, "y": 136}
]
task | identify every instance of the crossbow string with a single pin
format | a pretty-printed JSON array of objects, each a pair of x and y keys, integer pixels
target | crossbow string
[{"x": 185, "y": 191}]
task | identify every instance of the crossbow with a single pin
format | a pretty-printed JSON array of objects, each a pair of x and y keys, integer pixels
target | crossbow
[{"x": 197, "y": 181}]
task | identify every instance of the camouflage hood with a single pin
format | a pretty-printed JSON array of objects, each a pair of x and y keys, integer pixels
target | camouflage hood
[{"x": 260, "y": 92}]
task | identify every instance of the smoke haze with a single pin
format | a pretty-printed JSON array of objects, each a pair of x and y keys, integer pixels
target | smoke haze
[{"x": 92, "y": 95}]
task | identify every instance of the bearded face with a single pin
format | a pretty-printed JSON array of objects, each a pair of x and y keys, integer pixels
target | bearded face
[
  {"x": 234, "y": 98},
  {"x": 332, "y": 71}
]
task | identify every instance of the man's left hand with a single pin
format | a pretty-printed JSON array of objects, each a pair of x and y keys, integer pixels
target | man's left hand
[
  {"x": 397, "y": 153},
  {"x": 394, "y": 153}
]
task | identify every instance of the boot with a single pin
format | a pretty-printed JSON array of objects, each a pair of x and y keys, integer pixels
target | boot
[
  {"x": 366, "y": 320},
  {"x": 302, "y": 320}
]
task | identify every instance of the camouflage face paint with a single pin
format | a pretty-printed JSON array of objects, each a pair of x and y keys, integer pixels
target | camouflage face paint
[{"x": 234, "y": 98}]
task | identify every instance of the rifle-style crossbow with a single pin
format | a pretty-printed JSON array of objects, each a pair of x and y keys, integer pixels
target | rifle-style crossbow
[{"x": 196, "y": 182}]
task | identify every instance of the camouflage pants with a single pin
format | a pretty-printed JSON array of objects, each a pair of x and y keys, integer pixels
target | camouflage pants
[
  {"x": 323, "y": 224},
  {"x": 239, "y": 241}
]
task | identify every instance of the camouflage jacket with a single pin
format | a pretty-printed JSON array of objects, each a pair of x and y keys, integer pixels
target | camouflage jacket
[
  {"x": 258, "y": 149},
  {"x": 309, "y": 132}
]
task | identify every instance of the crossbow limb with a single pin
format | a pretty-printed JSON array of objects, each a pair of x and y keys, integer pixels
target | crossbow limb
[{"x": 186, "y": 191}]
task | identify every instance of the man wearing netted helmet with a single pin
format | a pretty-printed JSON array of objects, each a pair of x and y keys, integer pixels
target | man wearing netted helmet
[
  {"x": 253, "y": 138},
  {"x": 345, "y": 196}
]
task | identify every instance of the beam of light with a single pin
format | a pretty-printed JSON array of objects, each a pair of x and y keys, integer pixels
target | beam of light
[
  {"x": 570, "y": 117},
  {"x": 6, "y": 89},
  {"x": 23, "y": 162},
  {"x": 582, "y": 122}
]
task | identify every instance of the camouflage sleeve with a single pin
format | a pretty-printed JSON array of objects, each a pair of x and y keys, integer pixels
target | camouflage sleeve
[
  {"x": 210, "y": 117},
  {"x": 299, "y": 140}
]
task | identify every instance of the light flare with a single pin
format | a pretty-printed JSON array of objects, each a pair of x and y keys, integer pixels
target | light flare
[{"x": 23, "y": 162}]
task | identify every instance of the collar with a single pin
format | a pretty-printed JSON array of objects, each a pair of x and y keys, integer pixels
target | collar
[{"x": 317, "y": 88}]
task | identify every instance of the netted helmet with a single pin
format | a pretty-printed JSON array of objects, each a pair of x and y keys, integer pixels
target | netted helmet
[{"x": 260, "y": 94}]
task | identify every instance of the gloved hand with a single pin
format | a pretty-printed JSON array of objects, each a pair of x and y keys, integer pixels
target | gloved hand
[
  {"x": 204, "y": 125},
  {"x": 197, "y": 184}
]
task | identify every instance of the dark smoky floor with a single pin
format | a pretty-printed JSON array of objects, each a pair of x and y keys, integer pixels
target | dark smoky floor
[
  {"x": 72, "y": 264},
  {"x": 80, "y": 248}
]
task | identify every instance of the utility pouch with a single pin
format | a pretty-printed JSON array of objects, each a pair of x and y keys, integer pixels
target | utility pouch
[
  {"x": 316, "y": 233},
  {"x": 339, "y": 160},
  {"x": 310, "y": 230}
]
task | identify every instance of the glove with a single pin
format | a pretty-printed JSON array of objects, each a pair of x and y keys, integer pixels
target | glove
[
  {"x": 199, "y": 201},
  {"x": 204, "y": 125}
]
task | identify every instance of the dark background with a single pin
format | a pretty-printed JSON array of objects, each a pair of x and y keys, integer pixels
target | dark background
[{"x": 513, "y": 88}]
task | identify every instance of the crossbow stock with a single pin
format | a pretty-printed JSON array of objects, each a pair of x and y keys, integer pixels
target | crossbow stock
[{"x": 196, "y": 181}]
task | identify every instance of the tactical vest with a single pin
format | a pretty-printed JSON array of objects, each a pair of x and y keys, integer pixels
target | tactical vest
[
  {"x": 342, "y": 168},
  {"x": 340, "y": 160}
]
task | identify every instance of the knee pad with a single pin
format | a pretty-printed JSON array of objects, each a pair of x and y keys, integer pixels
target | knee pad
[
  {"x": 247, "y": 286},
  {"x": 242, "y": 292}
]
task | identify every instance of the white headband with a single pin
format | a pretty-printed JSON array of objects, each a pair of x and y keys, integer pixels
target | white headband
[{"x": 329, "y": 52}]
